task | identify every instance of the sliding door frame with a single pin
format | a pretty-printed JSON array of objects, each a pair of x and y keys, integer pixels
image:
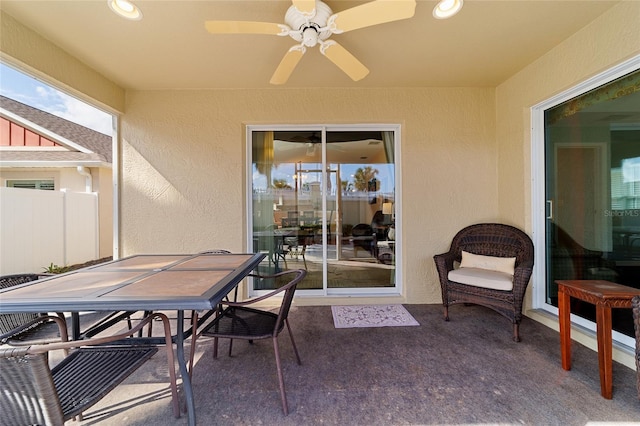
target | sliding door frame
[
  {"x": 540, "y": 209},
  {"x": 323, "y": 130}
]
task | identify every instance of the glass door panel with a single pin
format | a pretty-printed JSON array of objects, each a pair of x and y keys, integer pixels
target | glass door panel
[
  {"x": 325, "y": 202},
  {"x": 362, "y": 254},
  {"x": 592, "y": 150}
]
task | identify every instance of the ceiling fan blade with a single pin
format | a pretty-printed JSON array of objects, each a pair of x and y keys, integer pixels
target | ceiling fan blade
[
  {"x": 245, "y": 27},
  {"x": 304, "y": 6},
  {"x": 372, "y": 13},
  {"x": 344, "y": 60},
  {"x": 287, "y": 65}
]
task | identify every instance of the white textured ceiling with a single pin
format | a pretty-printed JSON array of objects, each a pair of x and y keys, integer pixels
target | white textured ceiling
[{"x": 487, "y": 42}]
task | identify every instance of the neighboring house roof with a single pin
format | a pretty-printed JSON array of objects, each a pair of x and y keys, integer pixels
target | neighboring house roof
[{"x": 73, "y": 144}]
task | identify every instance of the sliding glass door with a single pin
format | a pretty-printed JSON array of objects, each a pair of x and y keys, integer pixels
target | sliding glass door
[
  {"x": 592, "y": 227},
  {"x": 324, "y": 199}
]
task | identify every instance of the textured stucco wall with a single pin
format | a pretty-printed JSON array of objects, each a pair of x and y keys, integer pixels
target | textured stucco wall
[
  {"x": 183, "y": 185},
  {"x": 29, "y": 51},
  {"x": 607, "y": 41}
]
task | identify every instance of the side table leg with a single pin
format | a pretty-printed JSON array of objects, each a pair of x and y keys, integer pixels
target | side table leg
[
  {"x": 605, "y": 350},
  {"x": 564, "y": 318}
]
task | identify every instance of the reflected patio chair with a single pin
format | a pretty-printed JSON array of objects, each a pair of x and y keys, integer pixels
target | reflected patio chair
[
  {"x": 34, "y": 393},
  {"x": 239, "y": 320},
  {"x": 26, "y": 328},
  {"x": 363, "y": 237},
  {"x": 297, "y": 245},
  {"x": 635, "y": 305}
]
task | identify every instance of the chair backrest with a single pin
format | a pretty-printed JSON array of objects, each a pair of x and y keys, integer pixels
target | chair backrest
[
  {"x": 289, "y": 291},
  {"x": 362, "y": 230},
  {"x": 290, "y": 222},
  {"x": 29, "y": 396},
  {"x": 493, "y": 239},
  {"x": 9, "y": 322},
  {"x": 215, "y": 251},
  {"x": 7, "y": 281}
]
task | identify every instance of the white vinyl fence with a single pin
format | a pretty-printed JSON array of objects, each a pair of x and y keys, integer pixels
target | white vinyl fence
[{"x": 38, "y": 228}]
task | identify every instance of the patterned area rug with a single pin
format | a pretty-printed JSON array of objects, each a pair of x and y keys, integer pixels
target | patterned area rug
[{"x": 371, "y": 316}]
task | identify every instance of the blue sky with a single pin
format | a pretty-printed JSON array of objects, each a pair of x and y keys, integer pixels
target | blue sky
[{"x": 22, "y": 88}]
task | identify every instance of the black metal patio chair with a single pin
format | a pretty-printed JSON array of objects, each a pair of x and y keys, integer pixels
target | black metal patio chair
[
  {"x": 238, "y": 320},
  {"x": 33, "y": 393},
  {"x": 25, "y": 328}
]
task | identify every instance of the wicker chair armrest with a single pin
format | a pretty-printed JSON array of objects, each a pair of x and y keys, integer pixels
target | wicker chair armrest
[
  {"x": 521, "y": 276},
  {"x": 445, "y": 260},
  {"x": 526, "y": 265},
  {"x": 62, "y": 326}
]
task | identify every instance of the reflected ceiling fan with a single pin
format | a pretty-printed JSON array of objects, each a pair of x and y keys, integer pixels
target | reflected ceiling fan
[{"x": 312, "y": 22}]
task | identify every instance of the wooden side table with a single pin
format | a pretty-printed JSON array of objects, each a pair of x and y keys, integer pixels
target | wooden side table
[{"x": 605, "y": 295}]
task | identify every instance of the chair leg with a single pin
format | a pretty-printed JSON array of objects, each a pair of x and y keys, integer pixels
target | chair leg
[
  {"x": 293, "y": 343},
  {"x": 516, "y": 332},
  {"x": 283, "y": 396},
  {"x": 215, "y": 347},
  {"x": 219, "y": 311},
  {"x": 150, "y": 329},
  {"x": 446, "y": 313},
  {"x": 194, "y": 336},
  {"x": 230, "y": 346},
  {"x": 171, "y": 362}
]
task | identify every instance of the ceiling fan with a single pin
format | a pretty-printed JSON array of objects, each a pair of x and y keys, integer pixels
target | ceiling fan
[{"x": 312, "y": 22}]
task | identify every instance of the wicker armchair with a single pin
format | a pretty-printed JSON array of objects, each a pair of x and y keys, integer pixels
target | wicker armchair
[
  {"x": 32, "y": 393},
  {"x": 23, "y": 328},
  {"x": 488, "y": 239},
  {"x": 635, "y": 304},
  {"x": 238, "y": 320}
]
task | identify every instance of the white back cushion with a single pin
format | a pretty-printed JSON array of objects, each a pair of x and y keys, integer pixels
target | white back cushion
[{"x": 490, "y": 263}]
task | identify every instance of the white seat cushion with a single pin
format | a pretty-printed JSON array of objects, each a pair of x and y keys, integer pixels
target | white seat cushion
[{"x": 482, "y": 278}]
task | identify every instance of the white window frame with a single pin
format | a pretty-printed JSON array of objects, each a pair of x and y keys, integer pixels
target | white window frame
[{"x": 36, "y": 183}]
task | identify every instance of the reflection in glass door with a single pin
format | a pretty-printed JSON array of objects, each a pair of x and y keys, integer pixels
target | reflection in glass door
[
  {"x": 592, "y": 150},
  {"x": 326, "y": 201}
]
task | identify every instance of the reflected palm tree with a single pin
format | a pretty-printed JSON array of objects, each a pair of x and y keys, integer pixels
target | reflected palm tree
[{"x": 363, "y": 176}]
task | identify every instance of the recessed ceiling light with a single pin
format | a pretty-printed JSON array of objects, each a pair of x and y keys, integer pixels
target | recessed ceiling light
[
  {"x": 126, "y": 9},
  {"x": 447, "y": 8}
]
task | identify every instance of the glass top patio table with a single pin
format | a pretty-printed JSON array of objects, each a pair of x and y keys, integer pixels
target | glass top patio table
[{"x": 146, "y": 282}]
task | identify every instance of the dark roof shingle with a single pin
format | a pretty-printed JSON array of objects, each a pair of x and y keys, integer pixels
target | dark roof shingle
[{"x": 99, "y": 143}]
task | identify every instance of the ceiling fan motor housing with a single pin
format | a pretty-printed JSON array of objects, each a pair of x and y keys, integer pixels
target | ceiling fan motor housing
[{"x": 307, "y": 27}]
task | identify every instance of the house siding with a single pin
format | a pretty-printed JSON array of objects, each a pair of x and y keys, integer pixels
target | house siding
[{"x": 12, "y": 134}]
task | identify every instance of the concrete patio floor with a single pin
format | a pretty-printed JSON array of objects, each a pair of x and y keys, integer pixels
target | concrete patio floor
[{"x": 466, "y": 371}]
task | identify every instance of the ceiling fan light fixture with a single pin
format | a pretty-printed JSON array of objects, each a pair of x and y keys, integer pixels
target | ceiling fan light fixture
[
  {"x": 310, "y": 36},
  {"x": 447, "y": 8},
  {"x": 126, "y": 9}
]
